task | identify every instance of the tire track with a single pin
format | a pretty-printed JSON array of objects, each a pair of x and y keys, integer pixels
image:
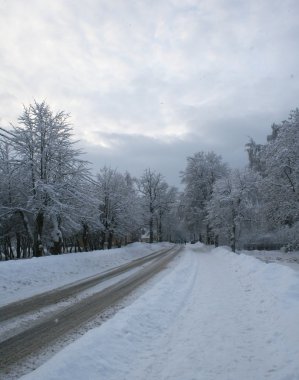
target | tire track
[
  {"x": 33, "y": 340},
  {"x": 32, "y": 304}
]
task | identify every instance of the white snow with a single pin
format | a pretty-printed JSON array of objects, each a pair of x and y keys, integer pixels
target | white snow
[
  {"x": 214, "y": 315},
  {"x": 20, "y": 279},
  {"x": 290, "y": 259}
]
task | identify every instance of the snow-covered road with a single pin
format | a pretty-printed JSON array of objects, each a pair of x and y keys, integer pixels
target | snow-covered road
[
  {"x": 20, "y": 279},
  {"x": 213, "y": 315}
]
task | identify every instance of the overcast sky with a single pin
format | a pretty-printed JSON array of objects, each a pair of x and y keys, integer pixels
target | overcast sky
[{"x": 148, "y": 83}]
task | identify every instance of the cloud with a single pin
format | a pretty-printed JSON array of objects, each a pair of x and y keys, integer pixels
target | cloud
[
  {"x": 153, "y": 81},
  {"x": 136, "y": 152}
]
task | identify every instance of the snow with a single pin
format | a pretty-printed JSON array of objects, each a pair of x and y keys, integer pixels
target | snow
[
  {"x": 214, "y": 315},
  {"x": 20, "y": 279},
  {"x": 290, "y": 259}
]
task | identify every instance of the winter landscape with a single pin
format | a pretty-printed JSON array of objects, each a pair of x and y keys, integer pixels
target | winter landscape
[{"x": 149, "y": 190}]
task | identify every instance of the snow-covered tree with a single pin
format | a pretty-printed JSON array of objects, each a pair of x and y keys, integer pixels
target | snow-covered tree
[
  {"x": 10, "y": 202},
  {"x": 255, "y": 156},
  {"x": 156, "y": 200},
  {"x": 233, "y": 206},
  {"x": 174, "y": 227},
  {"x": 119, "y": 209},
  {"x": 282, "y": 172},
  {"x": 165, "y": 201},
  {"x": 279, "y": 186},
  {"x": 202, "y": 170},
  {"x": 53, "y": 172}
]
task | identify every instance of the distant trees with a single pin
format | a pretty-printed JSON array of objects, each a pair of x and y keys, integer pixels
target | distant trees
[
  {"x": 233, "y": 205},
  {"x": 156, "y": 199},
  {"x": 165, "y": 206},
  {"x": 49, "y": 202},
  {"x": 257, "y": 206},
  {"x": 201, "y": 172},
  {"x": 119, "y": 209}
]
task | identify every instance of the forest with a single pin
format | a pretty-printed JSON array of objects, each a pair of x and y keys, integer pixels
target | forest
[{"x": 51, "y": 203}]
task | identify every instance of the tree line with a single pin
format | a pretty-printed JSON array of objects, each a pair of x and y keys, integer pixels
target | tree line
[
  {"x": 256, "y": 207},
  {"x": 50, "y": 202}
]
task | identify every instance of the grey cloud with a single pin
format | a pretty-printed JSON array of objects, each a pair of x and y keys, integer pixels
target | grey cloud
[
  {"x": 158, "y": 80},
  {"x": 136, "y": 153}
]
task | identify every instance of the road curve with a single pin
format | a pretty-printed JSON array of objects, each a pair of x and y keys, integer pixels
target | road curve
[{"x": 50, "y": 329}]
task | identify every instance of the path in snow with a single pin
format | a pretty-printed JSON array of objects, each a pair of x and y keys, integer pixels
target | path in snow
[{"x": 214, "y": 316}]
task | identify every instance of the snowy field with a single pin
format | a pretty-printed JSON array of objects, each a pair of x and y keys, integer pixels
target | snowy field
[
  {"x": 20, "y": 279},
  {"x": 214, "y": 315}
]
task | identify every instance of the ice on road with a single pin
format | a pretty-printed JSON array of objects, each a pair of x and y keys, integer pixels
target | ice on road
[{"x": 214, "y": 315}]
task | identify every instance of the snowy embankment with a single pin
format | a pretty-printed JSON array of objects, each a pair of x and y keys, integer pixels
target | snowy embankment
[
  {"x": 214, "y": 315},
  {"x": 20, "y": 279}
]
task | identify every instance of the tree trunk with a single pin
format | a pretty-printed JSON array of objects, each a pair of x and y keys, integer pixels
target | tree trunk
[
  {"x": 37, "y": 245},
  {"x": 78, "y": 245},
  {"x": 208, "y": 238},
  {"x": 102, "y": 243},
  {"x": 160, "y": 229},
  {"x": 233, "y": 238},
  {"x": 110, "y": 239},
  {"x": 6, "y": 250},
  {"x": 56, "y": 236},
  {"x": 11, "y": 254},
  {"x": 151, "y": 229},
  {"x": 18, "y": 238},
  {"x": 26, "y": 246},
  {"x": 151, "y": 223},
  {"x": 26, "y": 225},
  {"x": 85, "y": 237},
  {"x": 216, "y": 241}
]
